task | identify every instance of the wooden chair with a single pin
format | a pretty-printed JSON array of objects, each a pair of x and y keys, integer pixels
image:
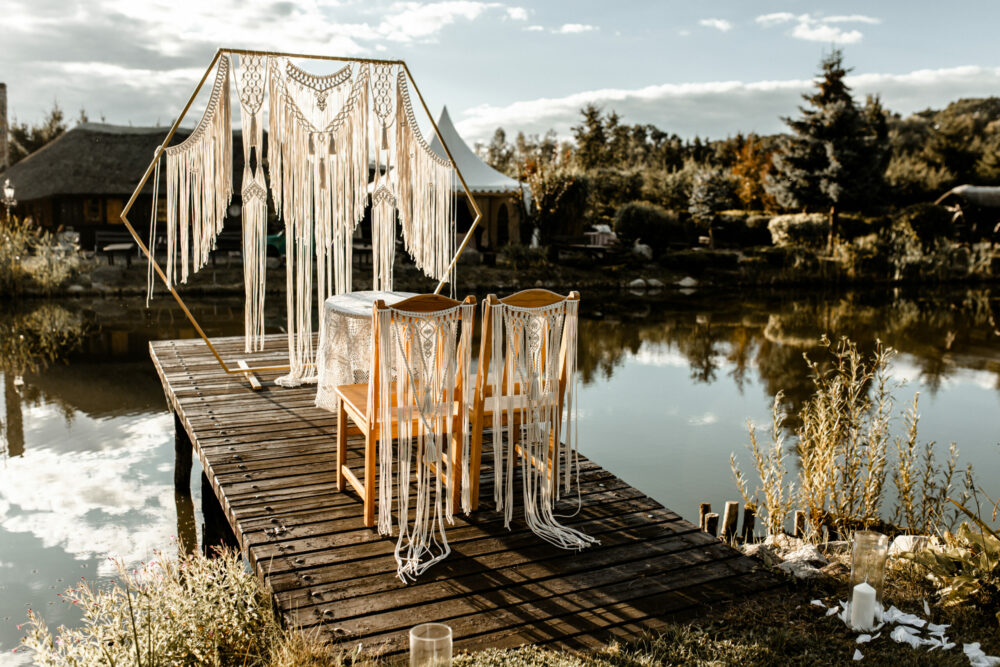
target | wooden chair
[
  {"x": 482, "y": 415},
  {"x": 359, "y": 403}
]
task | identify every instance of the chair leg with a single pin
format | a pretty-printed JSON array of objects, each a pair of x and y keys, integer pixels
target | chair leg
[
  {"x": 475, "y": 459},
  {"x": 342, "y": 422},
  {"x": 371, "y": 442},
  {"x": 456, "y": 466}
]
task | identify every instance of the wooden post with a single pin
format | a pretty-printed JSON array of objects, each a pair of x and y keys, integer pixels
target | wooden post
[
  {"x": 800, "y": 524},
  {"x": 749, "y": 519},
  {"x": 703, "y": 510},
  {"x": 215, "y": 531},
  {"x": 187, "y": 535},
  {"x": 712, "y": 524},
  {"x": 182, "y": 454},
  {"x": 729, "y": 519}
]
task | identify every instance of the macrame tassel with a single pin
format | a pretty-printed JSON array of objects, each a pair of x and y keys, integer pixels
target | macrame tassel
[
  {"x": 152, "y": 230},
  {"x": 525, "y": 370},
  {"x": 424, "y": 362},
  {"x": 383, "y": 238},
  {"x": 200, "y": 183}
]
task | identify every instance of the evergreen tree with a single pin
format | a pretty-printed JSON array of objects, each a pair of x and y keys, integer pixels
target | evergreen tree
[
  {"x": 836, "y": 155},
  {"x": 591, "y": 139},
  {"x": 25, "y": 139}
]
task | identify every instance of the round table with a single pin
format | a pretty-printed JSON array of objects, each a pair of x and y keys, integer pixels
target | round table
[{"x": 345, "y": 341}]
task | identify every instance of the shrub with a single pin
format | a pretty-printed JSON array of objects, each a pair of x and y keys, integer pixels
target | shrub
[
  {"x": 609, "y": 189},
  {"x": 29, "y": 254},
  {"x": 191, "y": 611},
  {"x": 648, "y": 223},
  {"x": 734, "y": 229},
  {"x": 929, "y": 222},
  {"x": 802, "y": 229},
  {"x": 519, "y": 257}
]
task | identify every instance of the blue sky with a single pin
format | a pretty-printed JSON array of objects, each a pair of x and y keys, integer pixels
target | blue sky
[{"x": 709, "y": 68}]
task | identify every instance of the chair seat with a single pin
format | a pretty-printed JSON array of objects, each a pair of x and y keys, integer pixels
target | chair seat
[{"x": 355, "y": 398}]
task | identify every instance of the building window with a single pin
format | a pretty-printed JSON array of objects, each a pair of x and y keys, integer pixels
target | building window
[
  {"x": 92, "y": 211},
  {"x": 114, "y": 211}
]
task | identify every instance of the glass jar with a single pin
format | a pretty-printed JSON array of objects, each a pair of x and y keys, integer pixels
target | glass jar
[
  {"x": 868, "y": 557},
  {"x": 430, "y": 645}
]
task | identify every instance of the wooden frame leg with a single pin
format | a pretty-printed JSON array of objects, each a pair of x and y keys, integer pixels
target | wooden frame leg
[
  {"x": 371, "y": 446},
  {"x": 342, "y": 423}
]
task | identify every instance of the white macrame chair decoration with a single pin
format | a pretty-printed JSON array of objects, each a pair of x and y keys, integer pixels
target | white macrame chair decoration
[
  {"x": 418, "y": 397},
  {"x": 526, "y": 389}
]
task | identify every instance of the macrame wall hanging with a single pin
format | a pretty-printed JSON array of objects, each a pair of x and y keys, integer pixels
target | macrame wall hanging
[
  {"x": 200, "y": 183},
  {"x": 425, "y": 197},
  {"x": 337, "y": 143},
  {"x": 424, "y": 365},
  {"x": 531, "y": 348},
  {"x": 318, "y": 152},
  {"x": 250, "y": 84}
]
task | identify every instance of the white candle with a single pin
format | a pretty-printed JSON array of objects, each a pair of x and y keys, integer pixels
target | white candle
[{"x": 863, "y": 607}]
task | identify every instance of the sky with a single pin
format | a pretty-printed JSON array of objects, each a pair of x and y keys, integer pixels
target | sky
[{"x": 711, "y": 68}]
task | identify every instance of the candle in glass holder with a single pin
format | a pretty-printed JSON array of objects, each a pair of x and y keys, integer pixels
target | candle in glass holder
[
  {"x": 863, "y": 607},
  {"x": 868, "y": 561}
]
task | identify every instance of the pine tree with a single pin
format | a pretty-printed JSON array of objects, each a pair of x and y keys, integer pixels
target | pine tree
[
  {"x": 591, "y": 139},
  {"x": 835, "y": 157}
]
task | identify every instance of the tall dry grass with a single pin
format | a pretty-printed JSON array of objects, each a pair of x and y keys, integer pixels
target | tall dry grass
[
  {"x": 847, "y": 455},
  {"x": 191, "y": 611}
]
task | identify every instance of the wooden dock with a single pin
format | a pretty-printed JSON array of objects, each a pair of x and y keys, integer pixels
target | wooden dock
[{"x": 269, "y": 456}]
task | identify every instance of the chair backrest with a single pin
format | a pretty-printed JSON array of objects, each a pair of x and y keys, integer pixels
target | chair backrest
[
  {"x": 527, "y": 320},
  {"x": 423, "y": 342}
]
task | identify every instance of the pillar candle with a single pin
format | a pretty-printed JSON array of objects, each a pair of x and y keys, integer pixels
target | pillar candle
[{"x": 863, "y": 607}]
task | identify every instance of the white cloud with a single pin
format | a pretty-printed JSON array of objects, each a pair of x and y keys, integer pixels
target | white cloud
[
  {"x": 575, "y": 28},
  {"x": 767, "y": 20},
  {"x": 517, "y": 13},
  {"x": 852, "y": 18},
  {"x": 93, "y": 504},
  {"x": 819, "y": 29},
  {"x": 703, "y": 420},
  {"x": 534, "y": 28},
  {"x": 416, "y": 21},
  {"x": 719, "y": 24},
  {"x": 721, "y": 108},
  {"x": 821, "y": 32}
]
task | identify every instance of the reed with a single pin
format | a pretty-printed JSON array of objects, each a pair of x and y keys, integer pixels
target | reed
[{"x": 847, "y": 454}]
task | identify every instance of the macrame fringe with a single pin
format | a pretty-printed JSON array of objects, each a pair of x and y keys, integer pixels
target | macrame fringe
[
  {"x": 425, "y": 194},
  {"x": 200, "y": 183},
  {"x": 527, "y": 345},
  {"x": 319, "y": 177},
  {"x": 250, "y": 84},
  {"x": 424, "y": 367}
]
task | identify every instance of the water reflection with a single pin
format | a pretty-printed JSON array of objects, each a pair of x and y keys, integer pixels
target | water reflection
[
  {"x": 943, "y": 333},
  {"x": 668, "y": 386}
]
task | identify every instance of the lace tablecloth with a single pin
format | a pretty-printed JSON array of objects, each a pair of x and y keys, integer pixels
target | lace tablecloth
[{"x": 345, "y": 341}]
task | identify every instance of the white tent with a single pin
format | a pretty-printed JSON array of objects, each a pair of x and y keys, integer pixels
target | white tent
[
  {"x": 500, "y": 197},
  {"x": 479, "y": 176}
]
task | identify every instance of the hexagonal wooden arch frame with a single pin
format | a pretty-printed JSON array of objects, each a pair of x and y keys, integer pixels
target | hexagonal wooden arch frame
[{"x": 242, "y": 368}]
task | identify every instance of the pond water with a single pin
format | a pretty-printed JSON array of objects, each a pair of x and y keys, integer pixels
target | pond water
[{"x": 668, "y": 384}]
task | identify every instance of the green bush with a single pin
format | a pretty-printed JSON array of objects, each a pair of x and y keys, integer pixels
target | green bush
[
  {"x": 519, "y": 257},
  {"x": 929, "y": 222},
  {"x": 609, "y": 190},
  {"x": 648, "y": 223},
  {"x": 735, "y": 229},
  {"x": 800, "y": 229}
]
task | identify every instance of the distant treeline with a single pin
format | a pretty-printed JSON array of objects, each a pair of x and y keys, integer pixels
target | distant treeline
[{"x": 838, "y": 156}]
